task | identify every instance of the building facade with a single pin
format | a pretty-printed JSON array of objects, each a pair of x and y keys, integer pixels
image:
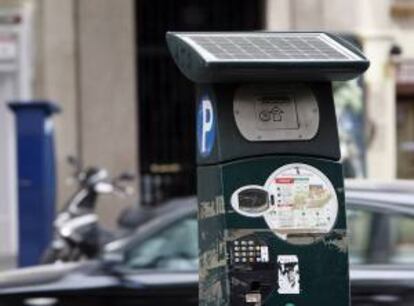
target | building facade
[
  {"x": 386, "y": 31},
  {"x": 85, "y": 56}
]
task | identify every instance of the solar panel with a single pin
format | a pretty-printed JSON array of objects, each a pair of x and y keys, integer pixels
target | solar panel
[
  {"x": 264, "y": 56},
  {"x": 268, "y": 47}
]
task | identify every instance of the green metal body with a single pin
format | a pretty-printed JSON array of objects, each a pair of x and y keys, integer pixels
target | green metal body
[
  {"x": 323, "y": 264},
  {"x": 235, "y": 162}
]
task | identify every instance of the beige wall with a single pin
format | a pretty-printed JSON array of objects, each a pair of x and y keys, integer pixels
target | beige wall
[
  {"x": 381, "y": 107},
  {"x": 372, "y": 22},
  {"x": 107, "y": 89},
  {"x": 55, "y": 78},
  {"x": 85, "y": 61}
]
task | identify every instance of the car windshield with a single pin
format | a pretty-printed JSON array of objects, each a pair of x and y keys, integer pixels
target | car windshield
[{"x": 173, "y": 248}]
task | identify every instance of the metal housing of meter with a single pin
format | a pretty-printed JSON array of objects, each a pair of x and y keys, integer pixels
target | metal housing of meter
[{"x": 272, "y": 223}]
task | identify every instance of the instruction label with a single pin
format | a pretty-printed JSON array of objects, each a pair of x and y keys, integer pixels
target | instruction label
[{"x": 304, "y": 201}]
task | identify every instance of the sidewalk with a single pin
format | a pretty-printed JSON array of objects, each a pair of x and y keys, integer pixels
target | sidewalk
[{"x": 7, "y": 262}]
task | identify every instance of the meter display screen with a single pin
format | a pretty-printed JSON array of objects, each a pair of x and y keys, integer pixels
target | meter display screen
[{"x": 253, "y": 200}]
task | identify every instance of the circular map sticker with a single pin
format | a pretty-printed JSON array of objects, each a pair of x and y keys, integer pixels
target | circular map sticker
[{"x": 305, "y": 205}]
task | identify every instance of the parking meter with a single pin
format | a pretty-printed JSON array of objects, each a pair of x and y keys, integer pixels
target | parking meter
[{"x": 272, "y": 223}]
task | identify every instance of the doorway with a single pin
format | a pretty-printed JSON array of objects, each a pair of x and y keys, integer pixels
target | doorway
[{"x": 166, "y": 106}]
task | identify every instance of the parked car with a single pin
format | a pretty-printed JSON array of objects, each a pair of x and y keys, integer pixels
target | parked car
[{"x": 158, "y": 265}]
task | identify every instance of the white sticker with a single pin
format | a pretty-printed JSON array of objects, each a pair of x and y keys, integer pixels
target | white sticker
[
  {"x": 303, "y": 200},
  {"x": 288, "y": 274},
  {"x": 264, "y": 253}
]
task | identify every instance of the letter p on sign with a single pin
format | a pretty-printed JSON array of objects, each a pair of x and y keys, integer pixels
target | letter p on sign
[{"x": 205, "y": 126}]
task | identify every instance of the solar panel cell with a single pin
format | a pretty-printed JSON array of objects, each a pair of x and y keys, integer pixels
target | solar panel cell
[{"x": 269, "y": 46}]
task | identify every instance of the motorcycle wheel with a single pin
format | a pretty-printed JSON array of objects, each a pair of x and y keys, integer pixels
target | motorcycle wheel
[
  {"x": 50, "y": 256},
  {"x": 75, "y": 255}
]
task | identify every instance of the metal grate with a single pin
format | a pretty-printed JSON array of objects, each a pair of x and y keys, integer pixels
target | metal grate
[{"x": 166, "y": 99}]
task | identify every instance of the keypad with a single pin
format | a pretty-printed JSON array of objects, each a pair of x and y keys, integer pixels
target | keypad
[{"x": 249, "y": 251}]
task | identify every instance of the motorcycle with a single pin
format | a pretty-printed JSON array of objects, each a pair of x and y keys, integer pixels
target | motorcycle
[{"x": 77, "y": 233}]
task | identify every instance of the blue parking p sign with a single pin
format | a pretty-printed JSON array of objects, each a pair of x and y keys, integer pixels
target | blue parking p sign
[{"x": 206, "y": 130}]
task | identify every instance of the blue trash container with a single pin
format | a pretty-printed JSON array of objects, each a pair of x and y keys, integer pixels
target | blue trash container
[{"x": 36, "y": 178}]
